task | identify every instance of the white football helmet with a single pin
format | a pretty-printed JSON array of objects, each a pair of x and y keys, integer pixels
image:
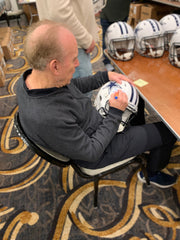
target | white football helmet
[
  {"x": 99, "y": 5},
  {"x": 169, "y": 23},
  {"x": 102, "y": 100},
  {"x": 174, "y": 49},
  {"x": 149, "y": 38},
  {"x": 120, "y": 41}
]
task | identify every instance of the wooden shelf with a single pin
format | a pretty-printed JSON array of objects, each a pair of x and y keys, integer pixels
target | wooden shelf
[{"x": 170, "y": 3}]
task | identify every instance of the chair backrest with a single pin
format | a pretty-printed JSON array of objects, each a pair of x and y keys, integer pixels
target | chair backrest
[
  {"x": 49, "y": 155},
  {"x": 14, "y": 5},
  {"x": 8, "y": 5}
]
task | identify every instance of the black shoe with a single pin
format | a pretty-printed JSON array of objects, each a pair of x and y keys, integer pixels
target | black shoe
[{"x": 161, "y": 179}]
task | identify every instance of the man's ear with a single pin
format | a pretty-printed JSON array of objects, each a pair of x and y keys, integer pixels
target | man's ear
[{"x": 55, "y": 66}]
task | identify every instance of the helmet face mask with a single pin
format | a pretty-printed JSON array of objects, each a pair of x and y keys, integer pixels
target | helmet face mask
[
  {"x": 152, "y": 46},
  {"x": 149, "y": 38},
  {"x": 120, "y": 41},
  {"x": 102, "y": 100},
  {"x": 167, "y": 39},
  {"x": 122, "y": 49},
  {"x": 177, "y": 55},
  {"x": 174, "y": 49}
]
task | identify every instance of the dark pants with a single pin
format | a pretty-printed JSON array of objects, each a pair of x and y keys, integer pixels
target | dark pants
[{"x": 136, "y": 139}]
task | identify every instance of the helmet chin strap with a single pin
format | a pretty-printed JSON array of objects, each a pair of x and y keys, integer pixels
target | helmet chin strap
[
  {"x": 125, "y": 118},
  {"x": 124, "y": 56},
  {"x": 154, "y": 53}
]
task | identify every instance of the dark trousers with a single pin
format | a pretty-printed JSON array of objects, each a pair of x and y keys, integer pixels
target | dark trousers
[{"x": 136, "y": 139}]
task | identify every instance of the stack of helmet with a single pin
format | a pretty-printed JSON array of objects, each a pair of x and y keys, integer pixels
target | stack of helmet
[
  {"x": 171, "y": 28},
  {"x": 149, "y": 38},
  {"x": 102, "y": 100},
  {"x": 154, "y": 37},
  {"x": 120, "y": 41}
]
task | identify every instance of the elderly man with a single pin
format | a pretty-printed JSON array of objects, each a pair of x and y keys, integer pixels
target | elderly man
[{"x": 56, "y": 114}]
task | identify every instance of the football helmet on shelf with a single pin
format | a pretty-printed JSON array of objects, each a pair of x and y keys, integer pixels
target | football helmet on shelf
[
  {"x": 120, "y": 41},
  {"x": 102, "y": 100},
  {"x": 169, "y": 23},
  {"x": 149, "y": 38},
  {"x": 174, "y": 49},
  {"x": 99, "y": 5}
]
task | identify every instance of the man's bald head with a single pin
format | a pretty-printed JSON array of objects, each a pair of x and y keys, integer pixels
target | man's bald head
[{"x": 46, "y": 40}]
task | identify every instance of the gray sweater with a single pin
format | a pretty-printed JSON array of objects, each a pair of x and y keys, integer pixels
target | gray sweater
[{"x": 64, "y": 120}]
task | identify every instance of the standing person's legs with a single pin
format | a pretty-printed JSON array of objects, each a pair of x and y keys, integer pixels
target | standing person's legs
[
  {"x": 85, "y": 68},
  {"x": 105, "y": 24}
]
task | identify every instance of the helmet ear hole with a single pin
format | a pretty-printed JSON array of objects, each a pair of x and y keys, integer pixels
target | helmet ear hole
[
  {"x": 149, "y": 38},
  {"x": 120, "y": 41},
  {"x": 102, "y": 100}
]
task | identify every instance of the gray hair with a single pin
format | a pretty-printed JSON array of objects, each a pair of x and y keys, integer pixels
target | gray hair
[{"x": 43, "y": 45}]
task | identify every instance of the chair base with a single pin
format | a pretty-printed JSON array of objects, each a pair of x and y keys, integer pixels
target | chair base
[
  {"x": 7, "y": 17},
  {"x": 141, "y": 159},
  {"x": 4, "y": 17}
]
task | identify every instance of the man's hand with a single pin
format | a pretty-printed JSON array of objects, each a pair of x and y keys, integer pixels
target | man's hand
[
  {"x": 119, "y": 100},
  {"x": 91, "y": 47},
  {"x": 118, "y": 77}
]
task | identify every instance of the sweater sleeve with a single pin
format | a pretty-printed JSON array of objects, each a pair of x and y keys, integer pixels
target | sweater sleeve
[
  {"x": 90, "y": 83},
  {"x": 68, "y": 137},
  {"x": 78, "y": 131},
  {"x": 63, "y": 11}
]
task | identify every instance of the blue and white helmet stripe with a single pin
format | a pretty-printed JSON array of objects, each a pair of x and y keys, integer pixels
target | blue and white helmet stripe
[
  {"x": 154, "y": 24},
  {"x": 123, "y": 27},
  {"x": 102, "y": 100}
]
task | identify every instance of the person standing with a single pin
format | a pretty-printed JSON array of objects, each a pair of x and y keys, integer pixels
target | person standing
[
  {"x": 115, "y": 10},
  {"x": 80, "y": 19}
]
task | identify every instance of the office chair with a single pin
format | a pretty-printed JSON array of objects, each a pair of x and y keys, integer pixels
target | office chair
[{"x": 61, "y": 161}]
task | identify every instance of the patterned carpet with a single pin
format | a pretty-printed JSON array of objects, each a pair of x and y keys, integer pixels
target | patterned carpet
[{"x": 39, "y": 201}]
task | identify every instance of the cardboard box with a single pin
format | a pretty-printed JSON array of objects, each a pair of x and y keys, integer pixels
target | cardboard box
[
  {"x": 8, "y": 48},
  {"x": 133, "y": 22},
  {"x": 135, "y": 10},
  {"x": 3, "y": 64},
  {"x": 1, "y": 52},
  {"x": 2, "y": 77},
  {"x": 7, "y": 42},
  {"x": 154, "y": 11}
]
